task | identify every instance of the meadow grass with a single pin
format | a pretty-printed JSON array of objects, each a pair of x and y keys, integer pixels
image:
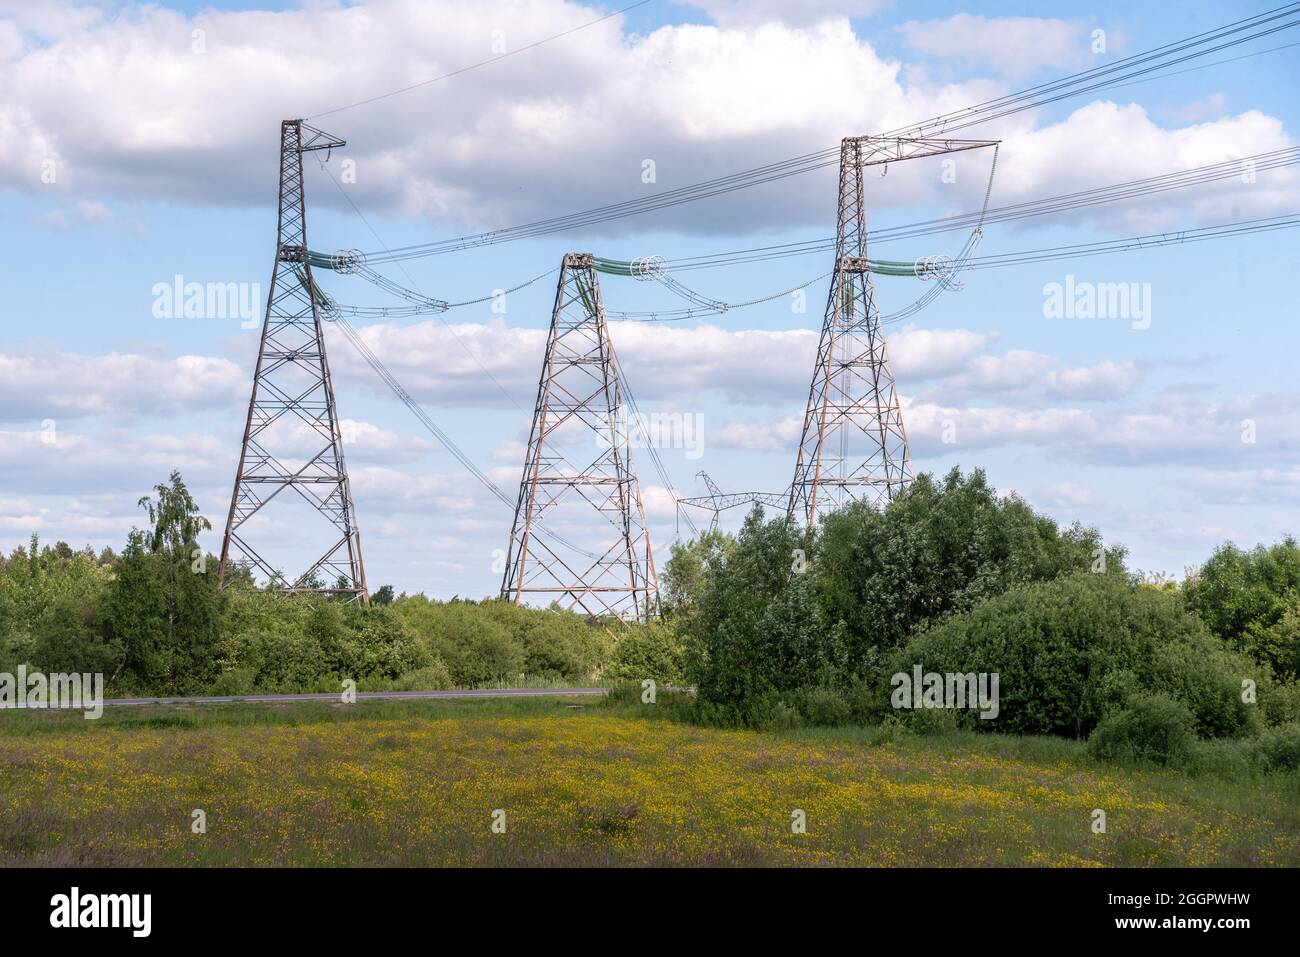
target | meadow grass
[{"x": 582, "y": 782}]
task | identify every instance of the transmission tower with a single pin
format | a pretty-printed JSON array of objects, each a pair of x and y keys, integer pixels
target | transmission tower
[
  {"x": 292, "y": 441},
  {"x": 579, "y": 470},
  {"x": 854, "y": 445},
  {"x": 718, "y": 501}
]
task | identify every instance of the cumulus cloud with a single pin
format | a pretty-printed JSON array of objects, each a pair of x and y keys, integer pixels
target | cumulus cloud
[
  {"x": 495, "y": 364},
  {"x": 43, "y": 385},
  {"x": 177, "y": 121}
]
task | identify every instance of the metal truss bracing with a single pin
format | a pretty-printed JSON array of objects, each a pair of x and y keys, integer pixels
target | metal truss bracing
[
  {"x": 718, "y": 501},
  {"x": 293, "y": 397},
  {"x": 854, "y": 445},
  {"x": 579, "y": 472}
]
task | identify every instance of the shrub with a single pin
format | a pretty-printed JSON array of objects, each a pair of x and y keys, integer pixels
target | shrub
[
  {"x": 273, "y": 662},
  {"x": 756, "y": 629},
  {"x": 433, "y": 677},
  {"x": 939, "y": 547},
  {"x": 1152, "y": 728},
  {"x": 1252, "y": 601},
  {"x": 1278, "y": 749},
  {"x": 822, "y": 706},
  {"x": 1072, "y": 650},
  {"x": 654, "y": 650}
]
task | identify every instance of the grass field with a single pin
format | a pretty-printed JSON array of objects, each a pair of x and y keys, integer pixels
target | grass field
[{"x": 416, "y": 783}]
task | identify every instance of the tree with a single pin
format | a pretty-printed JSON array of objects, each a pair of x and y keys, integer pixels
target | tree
[
  {"x": 1252, "y": 601},
  {"x": 384, "y": 596},
  {"x": 165, "y": 604},
  {"x": 687, "y": 564},
  {"x": 756, "y": 629},
  {"x": 938, "y": 548}
]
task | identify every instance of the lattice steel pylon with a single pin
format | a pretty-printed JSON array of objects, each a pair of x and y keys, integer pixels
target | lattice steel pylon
[
  {"x": 579, "y": 469},
  {"x": 854, "y": 444},
  {"x": 718, "y": 501},
  {"x": 292, "y": 440}
]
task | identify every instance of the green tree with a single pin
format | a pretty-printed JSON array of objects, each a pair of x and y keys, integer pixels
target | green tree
[
  {"x": 49, "y": 611},
  {"x": 1252, "y": 601},
  {"x": 687, "y": 565},
  {"x": 756, "y": 629},
  {"x": 939, "y": 548},
  {"x": 165, "y": 605}
]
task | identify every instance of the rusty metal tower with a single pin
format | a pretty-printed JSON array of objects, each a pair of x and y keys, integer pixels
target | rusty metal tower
[
  {"x": 293, "y": 449},
  {"x": 579, "y": 470},
  {"x": 854, "y": 445}
]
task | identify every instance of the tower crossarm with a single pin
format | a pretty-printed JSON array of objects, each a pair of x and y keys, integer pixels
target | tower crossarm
[{"x": 877, "y": 150}]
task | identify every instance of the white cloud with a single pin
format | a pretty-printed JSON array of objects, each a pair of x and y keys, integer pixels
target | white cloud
[
  {"x": 1015, "y": 46},
  {"x": 170, "y": 123},
  {"x": 44, "y": 385}
]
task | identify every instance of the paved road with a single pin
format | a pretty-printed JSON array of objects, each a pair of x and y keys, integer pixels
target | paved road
[{"x": 367, "y": 696}]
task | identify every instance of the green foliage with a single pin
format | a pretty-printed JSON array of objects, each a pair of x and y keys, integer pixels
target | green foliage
[
  {"x": 50, "y": 601},
  {"x": 654, "y": 651},
  {"x": 1252, "y": 601},
  {"x": 493, "y": 641},
  {"x": 1150, "y": 729},
  {"x": 936, "y": 549},
  {"x": 165, "y": 606},
  {"x": 1278, "y": 749},
  {"x": 688, "y": 564},
  {"x": 756, "y": 628},
  {"x": 1072, "y": 650},
  {"x": 432, "y": 677}
]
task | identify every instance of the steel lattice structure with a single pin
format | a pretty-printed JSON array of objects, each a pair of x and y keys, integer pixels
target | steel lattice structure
[
  {"x": 718, "y": 501},
  {"x": 292, "y": 389},
  {"x": 854, "y": 445},
  {"x": 579, "y": 467}
]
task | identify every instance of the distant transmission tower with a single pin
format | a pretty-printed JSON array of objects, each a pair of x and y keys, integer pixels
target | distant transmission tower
[
  {"x": 718, "y": 501},
  {"x": 854, "y": 445},
  {"x": 578, "y": 474},
  {"x": 292, "y": 450}
]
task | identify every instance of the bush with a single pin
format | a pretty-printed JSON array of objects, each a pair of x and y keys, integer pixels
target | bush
[
  {"x": 1152, "y": 728},
  {"x": 822, "y": 706},
  {"x": 434, "y": 677},
  {"x": 939, "y": 547},
  {"x": 756, "y": 630},
  {"x": 1278, "y": 749},
  {"x": 274, "y": 662},
  {"x": 1072, "y": 650},
  {"x": 654, "y": 651},
  {"x": 1252, "y": 601}
]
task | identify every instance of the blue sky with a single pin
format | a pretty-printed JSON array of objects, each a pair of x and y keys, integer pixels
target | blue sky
[{"x": 166, "y": 165}]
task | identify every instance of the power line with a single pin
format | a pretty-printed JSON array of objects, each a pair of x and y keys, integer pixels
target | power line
[
  {"x": 1072, "y": 85},
  {"x": 481, "y": 63}
]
